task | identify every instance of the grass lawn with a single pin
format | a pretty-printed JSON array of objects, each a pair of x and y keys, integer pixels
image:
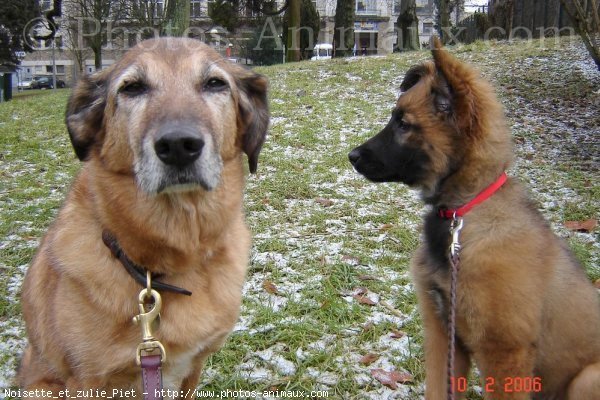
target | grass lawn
[{"x": 323, "y": 236}]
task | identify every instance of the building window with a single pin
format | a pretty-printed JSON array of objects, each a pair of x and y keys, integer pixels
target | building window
[
  {"x": 196, "y": 9},
  {"x": 427, "y": 28},
  {"x": 159, "y": 8},
  {"x": 366, "y": 7}
]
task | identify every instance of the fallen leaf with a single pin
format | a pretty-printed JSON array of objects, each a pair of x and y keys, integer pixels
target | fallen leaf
[
  {"x": 324, "y": 202},
  {"x": 390, "y": 379},
  {"x": 361, "y": 295},
  {"x": 397, "y": 334},
  {"x": 270, "y": 287},
  {"x": 369, "y": 358},
  {"x": 367, "y": 278},
  {"x": 597, "y": 284},
  {"x": 582, "y": 226},
  {"x": 360, "y": 291},
  {"x": 385, "y": 227},
  {"x": 364, "y": 300}
]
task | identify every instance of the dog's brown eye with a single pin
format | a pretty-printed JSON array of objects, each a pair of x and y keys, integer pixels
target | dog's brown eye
[
  {"x": 215, "y": 85},
  {"x": 134, "y": 89}
]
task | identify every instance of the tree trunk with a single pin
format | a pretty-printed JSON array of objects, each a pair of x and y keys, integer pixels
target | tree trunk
[
  {"x": 587, "y": 24},
  {"x": 343, "y": 36},
  {"x": 408, "y": 26},
  {"x": 444, "y": 20},
  {"x": 97, "y": 56},
  {"x": 293, "y": 34},
  {"x": 177, "y": 18}
]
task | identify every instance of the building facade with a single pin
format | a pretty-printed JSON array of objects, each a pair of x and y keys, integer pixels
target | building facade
[{"x": 374, "y": 28}]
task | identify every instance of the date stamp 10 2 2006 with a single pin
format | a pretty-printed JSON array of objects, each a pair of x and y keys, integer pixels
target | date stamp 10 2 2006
[{"x": 511, "y": 384}]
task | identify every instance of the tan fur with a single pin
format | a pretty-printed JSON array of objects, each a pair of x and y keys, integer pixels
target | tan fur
[
  {"x": 525, "y": 309},
  {"x": 78, "y": 301}
]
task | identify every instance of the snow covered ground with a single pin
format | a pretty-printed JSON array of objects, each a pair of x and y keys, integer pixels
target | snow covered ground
[{"x": 328, "y": 300}]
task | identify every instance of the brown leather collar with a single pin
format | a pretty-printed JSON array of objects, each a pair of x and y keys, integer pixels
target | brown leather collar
[{"x": 137, "y": 272}]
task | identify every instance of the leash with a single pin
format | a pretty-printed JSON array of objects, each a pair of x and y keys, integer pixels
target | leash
[
  {"x": 146, "y": 357},
  {"x": 150, "y": 353},
  {"x": 454, "y": 257},
  {"x": 455, "y": 228}
]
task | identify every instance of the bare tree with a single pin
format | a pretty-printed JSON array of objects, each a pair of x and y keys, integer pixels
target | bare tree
[
  {"x": 177, "y": 15},
  {"x": 584, "y": 15},
  {"x": 343, "y": 36},
  {"x": 93, "y": 19},
  {"x": 408, "y": 26},
  {"x": 293, "y": 24}
]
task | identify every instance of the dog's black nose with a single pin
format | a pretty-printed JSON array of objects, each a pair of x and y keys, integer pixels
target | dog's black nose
[
  {"x": 178, "y": 148},
  {"x": 354, "y": 156}
]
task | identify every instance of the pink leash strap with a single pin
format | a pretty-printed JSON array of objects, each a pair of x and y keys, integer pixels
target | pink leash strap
[{"x": 152, "y": 377}]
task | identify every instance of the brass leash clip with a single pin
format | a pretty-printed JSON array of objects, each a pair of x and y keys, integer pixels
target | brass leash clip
[{"x": 147, "y": 321}]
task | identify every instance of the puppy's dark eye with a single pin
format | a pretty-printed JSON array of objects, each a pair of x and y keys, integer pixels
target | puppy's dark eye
[
  {"x": 215, "y": 85},
  {"x": 403, "y": 126},
  {"x": 134, "y": 89}
]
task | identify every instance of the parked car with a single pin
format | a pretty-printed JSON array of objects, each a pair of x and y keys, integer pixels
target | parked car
[
  {"x": 25, "y": 84},
  {"x": 45, "y": 82},
  {"x": 322, "y": 51}
]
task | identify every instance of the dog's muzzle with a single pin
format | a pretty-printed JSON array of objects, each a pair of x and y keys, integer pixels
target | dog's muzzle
[
  {"x": 178, "y": 157},
  {"x": 178, "y": 146}
]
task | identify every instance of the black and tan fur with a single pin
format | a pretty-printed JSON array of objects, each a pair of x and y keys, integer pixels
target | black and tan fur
[
  {"x": 525, "y": 308},
  {"x": 162, "y": 134}
]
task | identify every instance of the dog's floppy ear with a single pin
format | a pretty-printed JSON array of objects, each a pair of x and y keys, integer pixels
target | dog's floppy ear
[
  {"x": 457, "y": 89},
  {"x": 85, "y": 111},
  {"x": 253, "y": 113}
]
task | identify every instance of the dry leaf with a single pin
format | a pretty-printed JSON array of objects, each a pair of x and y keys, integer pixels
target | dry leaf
[
  {"x": 385, "y": 227},
  {"x": 597, "y": 284},
  {"x": 367, "y": 278},
  {"x": 582, "y": 226},
  {"x": 362, "y": 299},
  {"x": 397, "y": 334},
  {"x": 390, "y": 379},
  {"x": 369, "y": 358},
  {"x": 324, "y": 202},
  {"x": 270, "y": 287},
  {"x": 361, "y": 295}
]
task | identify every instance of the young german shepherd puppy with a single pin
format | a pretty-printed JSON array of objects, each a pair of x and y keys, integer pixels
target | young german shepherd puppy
[{"x": 526, "y": 314}]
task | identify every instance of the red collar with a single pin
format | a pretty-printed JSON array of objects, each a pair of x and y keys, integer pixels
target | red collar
[{"x": 480, "y": 198}]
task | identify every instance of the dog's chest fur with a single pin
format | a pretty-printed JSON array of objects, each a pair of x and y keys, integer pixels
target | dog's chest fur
[
  {"x": 435, "y": 259},
  {"x": 437, "y": 241}
]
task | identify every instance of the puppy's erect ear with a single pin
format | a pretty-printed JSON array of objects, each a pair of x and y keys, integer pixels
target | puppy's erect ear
[
  {"x": 253, "y": 113},
  {"x": 459, "y": 88},
  {"x": 85, "y": 112},
  {"x": 413, "y": 76}
]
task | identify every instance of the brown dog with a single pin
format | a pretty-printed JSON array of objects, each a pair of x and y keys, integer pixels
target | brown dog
[
  {"x": 526, "y": 313},
  {"x": 161, "y": 133}
]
